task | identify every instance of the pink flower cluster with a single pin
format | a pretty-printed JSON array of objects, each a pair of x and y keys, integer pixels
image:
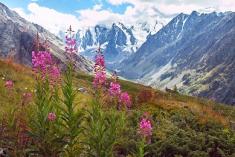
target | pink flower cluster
[
  {"x": 99, "y": 60},
  {"x": 125, "y": 99},
  {"x": 99, "y": 79},
  {"x": 9, "y": 84},
  {"x": 54, "y": 73},
  {"x": 70, "y": 47},
  {"x": 41, "y": 60},
  {"x": 43, "y": 64},
  {"x": 51, "y": 116},
  {"x": 114, "y": 89},
  {"x": 145, "y": 127},
  {"x": 99, "y": 69}
]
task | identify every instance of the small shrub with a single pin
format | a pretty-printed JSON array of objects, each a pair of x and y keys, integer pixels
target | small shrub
[{"x": 145, "y": 96}]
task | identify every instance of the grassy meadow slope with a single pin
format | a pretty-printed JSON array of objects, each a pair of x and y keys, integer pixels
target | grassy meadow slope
[{"x": 183, "y": 125}]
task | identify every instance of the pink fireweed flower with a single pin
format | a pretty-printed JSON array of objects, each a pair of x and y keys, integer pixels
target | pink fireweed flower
[
  {"x": 99, "y": 63},
  {"x": 51, "y": 116},
  {"x": 9, "y": 84},
  {"x": 54, "y": 74},
  {"x": 145, "y": 127},
  {"x": 70, "y": 41},
  {"x": 41, "y": 61},
  {"x": 125, "y": 99},
  {"x": 99, "y": 60},
  {"x": 70, "y": 47},
  {"x": 99, "y": 70},
  {"x": 114, "y": 89},
  {"x": 99, "y": 79}
]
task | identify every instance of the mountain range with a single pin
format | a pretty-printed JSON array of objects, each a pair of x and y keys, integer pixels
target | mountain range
[
  {"x": 194, "y": 52},
  {"x": 117, "y": 41}
]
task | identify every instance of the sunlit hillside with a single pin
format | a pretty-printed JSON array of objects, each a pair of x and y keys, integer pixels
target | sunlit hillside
[{"x": 182, "y": 125}]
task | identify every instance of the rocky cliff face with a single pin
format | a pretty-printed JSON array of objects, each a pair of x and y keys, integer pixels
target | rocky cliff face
[
  {"x": 196, "y": 52},
  {"x": 17, "y": 38},
  {"x": 117, "y": 41}
]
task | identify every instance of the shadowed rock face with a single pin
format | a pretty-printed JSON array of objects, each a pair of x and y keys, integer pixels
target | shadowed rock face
[
  {"x": 117, "y": 42},
  {"x": 17, "y": 38},
  {"x": 196, "y": 52},
  {"x": 16, "y": 43}
]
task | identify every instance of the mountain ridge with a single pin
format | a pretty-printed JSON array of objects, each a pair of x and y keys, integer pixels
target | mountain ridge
[
  {"x": 117, "y": 41},
  {"x": 184, "y": 51}
]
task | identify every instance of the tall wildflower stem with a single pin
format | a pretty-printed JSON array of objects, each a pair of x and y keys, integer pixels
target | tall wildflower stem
[
  {"x": 145, "y": 132},
  {"x": 71, "y": 116},
  {"x": 102, "y": 130},
  {"x": 40, "y": 126},
  {"x": 141, "y": 148},
  {"x": 103, "y": 127},
  {"x": 47, "y": 141}
]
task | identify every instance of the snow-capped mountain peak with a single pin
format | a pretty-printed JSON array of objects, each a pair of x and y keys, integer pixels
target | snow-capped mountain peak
[{"x": 118, "y": 40}]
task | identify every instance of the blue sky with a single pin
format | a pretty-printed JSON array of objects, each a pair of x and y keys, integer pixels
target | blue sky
[
  {"x": 56, "y": 15},
  {"x": 67, "y": 6}
]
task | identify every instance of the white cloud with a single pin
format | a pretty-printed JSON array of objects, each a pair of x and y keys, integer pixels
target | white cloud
[
  {"x": 132, "y": 15},
  {"x": 139, "y": 11},
  {"x": 186, "y": 6},
  {"x": 119, "y": 2},
  {"x": 51, "y": 19},
  {"x": 98, "y": 7},
  {"x": 56, "y": 21},
  {"x": 175, "y": 9},
  {"x": 91, "y": 17},
  {"x": 227, "y": 5}
]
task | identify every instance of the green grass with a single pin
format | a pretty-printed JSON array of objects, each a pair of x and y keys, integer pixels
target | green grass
[
  {"x": 182, "y": 123},
  {"x": 24, "y": 82}
]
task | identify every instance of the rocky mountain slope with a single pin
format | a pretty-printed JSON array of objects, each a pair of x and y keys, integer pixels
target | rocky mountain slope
[
  {"x": 195, "y": 52},
  {"x": 117, "y": 41},
  {"x": 17, "y": 37}
]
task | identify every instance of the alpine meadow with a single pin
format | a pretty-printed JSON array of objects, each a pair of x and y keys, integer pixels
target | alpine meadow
[{"x": 117, "y": 78}]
